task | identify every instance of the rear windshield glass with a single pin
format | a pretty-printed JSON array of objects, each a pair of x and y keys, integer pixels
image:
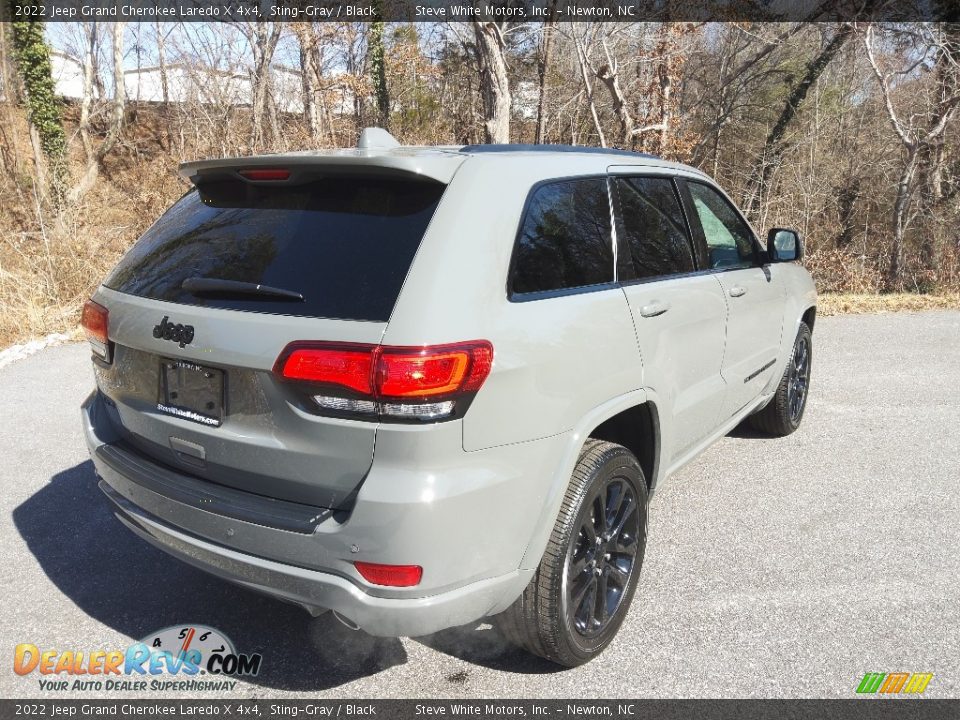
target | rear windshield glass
[{"x": 344, "y": 244}]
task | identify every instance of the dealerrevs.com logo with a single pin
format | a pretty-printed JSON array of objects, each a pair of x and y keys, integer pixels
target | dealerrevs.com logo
[{"x": 187, "y": 658}]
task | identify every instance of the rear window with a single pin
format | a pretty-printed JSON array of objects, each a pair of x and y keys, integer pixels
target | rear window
[{"x": 344, "y": 244}]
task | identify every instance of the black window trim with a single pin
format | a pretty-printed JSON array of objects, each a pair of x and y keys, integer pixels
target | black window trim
[
  {"x": 625, "y": 250},
  {"x": 759, "y": 253},
  {"x": 533, "y": 296}
]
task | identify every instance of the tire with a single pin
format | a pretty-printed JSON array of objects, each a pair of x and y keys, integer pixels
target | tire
[
  {"x": 783, "y": 413},
  {"x": 544, "y": 620}
]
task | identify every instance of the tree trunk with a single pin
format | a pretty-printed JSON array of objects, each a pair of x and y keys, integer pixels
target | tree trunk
[
  {"x": 494, "y": 82},
  {"x": 89, "y": 64},
  {"x": 585, "y": 74},
  {"x": 33, "y": 62},
  {"x": 378, "y": 67},
  {"x": 894, "y": 277},
  {"x": 666, "y": 106},
  {"x": 117, "y": 110},
  {"x": 543, "y": 69},
  {"x": 162, "y": 61},
  {"x": 264, "y": 37},
  {"x": 610, "y": 78},
  {"x": 308, "y": 91},
  {"x": 6, "y": 92}
]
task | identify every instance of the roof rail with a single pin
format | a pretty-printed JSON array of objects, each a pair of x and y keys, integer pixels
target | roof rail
[{"x": 523, "y": 147}]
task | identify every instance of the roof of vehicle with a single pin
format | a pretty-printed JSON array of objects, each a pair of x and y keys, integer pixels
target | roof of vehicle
[{"x": 378, "y": 149}]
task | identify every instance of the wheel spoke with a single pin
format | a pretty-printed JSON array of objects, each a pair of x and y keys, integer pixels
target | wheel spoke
[
  {"x": 580, "y": 592},
  {"x": 627, "y": 507},
  {"x": 625, "y": 542},
  {"x": 615, "y": 496},
  {"x": 589, "y": 533},
  {"x": 599, "y": 514},
  {"x": 587, "y": 604},
  {"x": 577, "y": 566},
  {"x": 619, "y": 567},
  {"x": 601, "y": 611}
]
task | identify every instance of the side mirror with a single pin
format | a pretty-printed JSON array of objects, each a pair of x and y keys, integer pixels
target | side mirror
[{"x": 783, "y": 245}]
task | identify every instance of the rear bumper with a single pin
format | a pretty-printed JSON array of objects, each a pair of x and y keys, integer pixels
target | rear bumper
[
  {"x": 318, "y": 591},
  {"x": 468, "y": 525}
]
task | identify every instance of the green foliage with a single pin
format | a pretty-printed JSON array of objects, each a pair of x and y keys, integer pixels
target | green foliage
[{"x": 33, "y": 63}]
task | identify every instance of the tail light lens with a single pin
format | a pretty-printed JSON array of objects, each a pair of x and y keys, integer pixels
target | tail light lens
[
  {"x": 428, "y": 372},
  {"x": 413, "y": 384},
  {"x": 95, "y": 319},
  {"x": 390, "y": 575},
  {"x": 346, "y": 366}
]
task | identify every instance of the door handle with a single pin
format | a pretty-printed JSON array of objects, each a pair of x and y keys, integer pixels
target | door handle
[
  {"x": 654, "y": 308},
  {"x": 738, "y": 291}
]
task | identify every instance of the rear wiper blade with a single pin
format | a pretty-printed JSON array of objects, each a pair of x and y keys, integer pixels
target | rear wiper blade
[{"x": 235, "y": 287}]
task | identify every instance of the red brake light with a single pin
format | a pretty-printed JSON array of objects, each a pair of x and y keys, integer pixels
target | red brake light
[
  {"x": 266, "y": 174},
  {"x": 439, "y": 370},
  {"x": 94, "y": 319},
  {"x": 349, "y": 366},
  {"x": 390, "y": 575},
  {"x": 408, "y": 383}
]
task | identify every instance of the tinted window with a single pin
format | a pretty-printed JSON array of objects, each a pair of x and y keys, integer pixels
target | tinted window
[
  {"x": 345, "y": 244},
  {"x": 654, "y": 227},
  {"x": 565, "y": 240},
  {"x": 729, "y": 239}
]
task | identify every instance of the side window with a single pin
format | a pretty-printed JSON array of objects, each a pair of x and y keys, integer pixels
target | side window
[
  {"x": 565, "y": 239},
  {"x": 729, "y": 239},
  {"x": 654, "y": 227}
]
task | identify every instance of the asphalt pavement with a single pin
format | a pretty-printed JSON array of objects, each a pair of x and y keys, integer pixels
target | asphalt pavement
[{"x": 774, "y": 568}]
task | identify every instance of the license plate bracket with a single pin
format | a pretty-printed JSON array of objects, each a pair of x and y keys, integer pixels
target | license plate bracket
[{"x": 192, "y": 392}]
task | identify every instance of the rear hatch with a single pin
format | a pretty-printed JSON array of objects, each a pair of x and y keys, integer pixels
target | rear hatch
[{"x": 203, "y": 305}]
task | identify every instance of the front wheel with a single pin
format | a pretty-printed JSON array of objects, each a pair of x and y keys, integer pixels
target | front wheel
[
  {"x": 783, "y": 413},
  {"x": 582, "y": 589}
]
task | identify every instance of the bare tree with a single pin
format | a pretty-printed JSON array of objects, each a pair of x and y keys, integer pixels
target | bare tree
[
  {"x": 161, "y": 39},
  {"x": 5, "y": 93},
  {"x": 309, "y": 74},
  {"x": 918, "y": 132},
  {"x": 95, "y": 156},
  {"x": 543, "y": 68},
  {"x": 494, "y": 81},
  {"x": 771, "y": 155},
  {"x": 586, "y": 71},
  {"x": 263, "y": 37}
]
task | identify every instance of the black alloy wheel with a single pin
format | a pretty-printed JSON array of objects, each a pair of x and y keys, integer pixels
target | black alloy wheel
[
  {"x": 602, "y": 556},
  {"x": 581, "y": 591}
]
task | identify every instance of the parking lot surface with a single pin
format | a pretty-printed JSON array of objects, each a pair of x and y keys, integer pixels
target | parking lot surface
[{"x": 774, "y": 568}]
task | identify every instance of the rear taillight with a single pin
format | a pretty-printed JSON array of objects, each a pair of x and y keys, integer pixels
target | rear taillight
[
  {"x": 390, "y": 575},
  {"x": 94, "y": 320},
  {"x": 348, "y": 366},
  {"x": 415, "y": 384}
]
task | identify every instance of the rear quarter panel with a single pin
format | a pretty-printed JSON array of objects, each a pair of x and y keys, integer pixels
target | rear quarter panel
[{"x": 554, "y": 359}]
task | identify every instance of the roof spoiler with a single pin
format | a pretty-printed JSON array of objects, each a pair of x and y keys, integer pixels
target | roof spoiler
[{"x": 373, "y": 156}]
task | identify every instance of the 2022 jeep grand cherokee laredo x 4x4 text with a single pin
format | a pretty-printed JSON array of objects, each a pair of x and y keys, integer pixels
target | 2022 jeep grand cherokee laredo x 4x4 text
[{"x": 421, "y": 386}]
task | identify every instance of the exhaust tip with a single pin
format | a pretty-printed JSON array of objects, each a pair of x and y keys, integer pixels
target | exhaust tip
[{"x": 346, "y": 621}]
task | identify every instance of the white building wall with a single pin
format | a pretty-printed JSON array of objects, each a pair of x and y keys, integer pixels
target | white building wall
[{"x": 67, "y": 76}]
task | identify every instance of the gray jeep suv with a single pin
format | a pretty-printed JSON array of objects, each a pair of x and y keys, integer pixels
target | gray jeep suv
[{"x": 423, "y": 386}]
